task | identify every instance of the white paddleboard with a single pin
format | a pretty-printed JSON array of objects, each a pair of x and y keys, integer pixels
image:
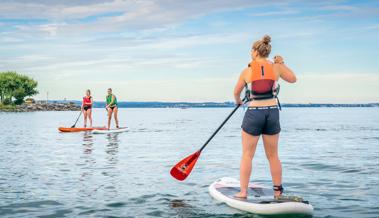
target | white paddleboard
[
  {"x": 119, "y": 130},
  {"x": 260, "y": 199}
]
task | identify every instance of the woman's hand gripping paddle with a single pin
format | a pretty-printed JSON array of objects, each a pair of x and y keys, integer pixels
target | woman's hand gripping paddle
[{"x": 182, "y": 169}]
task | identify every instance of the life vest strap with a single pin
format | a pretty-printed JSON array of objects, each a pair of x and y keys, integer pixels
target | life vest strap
[
  {"x": 265, "y": 96},
  {"x": 250, "y": 95}
]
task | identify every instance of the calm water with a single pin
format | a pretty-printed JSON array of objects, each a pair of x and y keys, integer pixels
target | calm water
[{"x": 330, "y": 157}]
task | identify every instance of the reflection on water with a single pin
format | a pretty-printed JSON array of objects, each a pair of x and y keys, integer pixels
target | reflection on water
[
  {"x": 90, "y": 169},
  {"x": 112, "y": 148},
  {"x": 112, "y": 171},
  {"x": 87, "y": 142},
  {"x": 87, "y": 166}
]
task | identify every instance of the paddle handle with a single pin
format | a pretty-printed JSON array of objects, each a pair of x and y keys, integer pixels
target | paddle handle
[
  {"x": 218, "y": 129},
  {"x": 77, "y": 119}
]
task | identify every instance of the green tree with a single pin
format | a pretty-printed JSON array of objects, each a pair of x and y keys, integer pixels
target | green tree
[
  {"x": 17, "y": 86},
  {"x": 2, "y": 87}
]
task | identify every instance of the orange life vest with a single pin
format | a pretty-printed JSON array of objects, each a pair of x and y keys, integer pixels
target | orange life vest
[{"x": 263, "y": 81}]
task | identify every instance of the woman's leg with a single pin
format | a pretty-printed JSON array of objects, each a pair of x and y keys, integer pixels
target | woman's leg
[
  {"x": 110, "y": 111},
  {"x": 271, "y": 148},
  {"x": 89, "y": 111},
  {"x": 249, "y": 145},
  {"x": 85, "y": 118},
  {"x": 116, "y": 116}
]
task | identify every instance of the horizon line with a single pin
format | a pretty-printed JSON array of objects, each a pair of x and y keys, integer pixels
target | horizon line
[{"x": 214, "y": 102}]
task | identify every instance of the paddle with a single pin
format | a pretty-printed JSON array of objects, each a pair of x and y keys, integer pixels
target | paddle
[
  {"x": 183, "y": 168},
  {"x": 73, "y": 126}
]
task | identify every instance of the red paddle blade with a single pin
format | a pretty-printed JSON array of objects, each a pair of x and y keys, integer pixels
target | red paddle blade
[{"x": 182, "y": 169}]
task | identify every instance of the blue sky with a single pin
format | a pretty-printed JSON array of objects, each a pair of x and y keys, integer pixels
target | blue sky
[{"x": 190, "y": 50}]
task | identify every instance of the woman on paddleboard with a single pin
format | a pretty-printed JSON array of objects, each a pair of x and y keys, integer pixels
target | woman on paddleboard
[
  {"x": 87, "y": 108},
  {"x": 262, "y": 116},
  {"x": 111, "y": 106}
]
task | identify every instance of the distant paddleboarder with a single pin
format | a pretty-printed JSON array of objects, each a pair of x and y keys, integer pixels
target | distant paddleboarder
[
  {"x": 262, "y": 116},
  {"x": 87, "y": 108},
  {"x": 111, "y": 106}
]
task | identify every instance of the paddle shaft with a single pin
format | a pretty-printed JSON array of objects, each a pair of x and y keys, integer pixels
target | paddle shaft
[
  {"x": 77, "y": 119},
  {"x": 218, "y": 129}
]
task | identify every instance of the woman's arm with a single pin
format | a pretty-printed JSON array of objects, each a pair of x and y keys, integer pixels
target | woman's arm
[
  {"x": 284, "y": 72},
  {"x": 239, "y": 87},
  {"x": 112, "y": 102}
]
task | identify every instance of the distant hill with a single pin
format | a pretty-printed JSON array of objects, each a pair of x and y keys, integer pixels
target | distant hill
[{"x": 157, "y": 104}]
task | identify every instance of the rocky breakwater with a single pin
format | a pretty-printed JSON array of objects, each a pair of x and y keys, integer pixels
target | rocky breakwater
[{"x": 43, "y": 106}]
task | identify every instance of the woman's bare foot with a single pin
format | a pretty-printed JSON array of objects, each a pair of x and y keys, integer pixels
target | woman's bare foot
[{"x": 241, "y": 195}]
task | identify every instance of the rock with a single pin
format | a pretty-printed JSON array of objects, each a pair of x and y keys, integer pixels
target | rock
[{"x": 30, "y": 107}]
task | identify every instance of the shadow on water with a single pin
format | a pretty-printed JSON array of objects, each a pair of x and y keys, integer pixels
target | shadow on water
[{"x": 181, "y": 208}]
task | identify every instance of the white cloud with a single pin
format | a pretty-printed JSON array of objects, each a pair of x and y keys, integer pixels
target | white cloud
[
  {"x": 116, "y": 55},
  {"x": 109, "y": 16},
  {"x": 281, "y": 12},
  {"x": 51, "y": 29},
  {"x": 145, "y": 9}
]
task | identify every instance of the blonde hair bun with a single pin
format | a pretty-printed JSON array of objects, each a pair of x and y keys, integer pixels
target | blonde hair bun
[
  {"x": 266, "y": 39},
  {"x": 263, "y": 46}
]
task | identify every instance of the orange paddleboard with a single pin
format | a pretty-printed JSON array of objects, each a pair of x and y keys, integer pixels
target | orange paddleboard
[{"x": 68, "y": 129}]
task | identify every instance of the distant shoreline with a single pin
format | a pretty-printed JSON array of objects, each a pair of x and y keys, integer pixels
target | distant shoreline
[
  {"x": 133, "y": 104},
  {"x": 75, "y": 105}
]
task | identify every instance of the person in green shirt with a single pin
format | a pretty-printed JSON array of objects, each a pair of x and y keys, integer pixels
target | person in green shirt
[{"x": 111, "y": 106}]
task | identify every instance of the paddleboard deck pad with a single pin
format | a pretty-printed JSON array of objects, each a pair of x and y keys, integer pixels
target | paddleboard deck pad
[
  {"x": 260, "y": 199},
  {"x": 79, "y": 129},
  {"x": 106, "y": 131}
]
